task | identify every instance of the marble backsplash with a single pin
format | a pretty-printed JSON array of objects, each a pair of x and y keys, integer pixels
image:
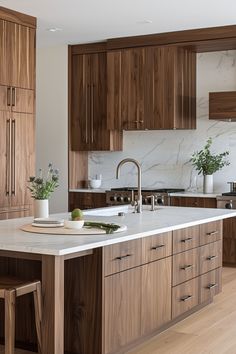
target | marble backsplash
[{"x": 164, "y": 155}]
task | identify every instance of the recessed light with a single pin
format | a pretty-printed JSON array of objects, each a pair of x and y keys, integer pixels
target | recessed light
[
  {"x": 54, "y": 29},
  {"x": 144, "y": 22}
]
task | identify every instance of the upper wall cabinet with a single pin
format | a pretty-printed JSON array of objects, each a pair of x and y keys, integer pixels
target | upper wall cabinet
[
  {"x": 17, "y": 55},
  {"x": 151, "y": 88},
  {"x": 222, "y": 105},
  {"x": 89, "y": 104}
]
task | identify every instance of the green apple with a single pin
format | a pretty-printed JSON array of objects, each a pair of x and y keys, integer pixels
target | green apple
[{"x": 77, "y": 214}]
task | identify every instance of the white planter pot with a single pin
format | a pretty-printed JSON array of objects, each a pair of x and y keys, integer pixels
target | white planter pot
[
  {"x": 208, "y": 184},
  {"x": 41, "y": 208}
]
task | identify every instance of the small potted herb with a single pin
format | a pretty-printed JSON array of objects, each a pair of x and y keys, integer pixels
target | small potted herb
[
  {"x": 207, "y": 163},
  {"x": 41, "y": 189}
]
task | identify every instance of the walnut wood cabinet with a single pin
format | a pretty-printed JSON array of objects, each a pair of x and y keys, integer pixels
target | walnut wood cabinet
[
  {"x": 17, "y": 109},
  {"x": 86, "y": 200},
  {"x": 151, "y": 88},
  {"x": 222, "y": 105},
  {"x": 193, "y": 202},
  {"x": 142, "y": 295},
  {"x": 17, "y": 55},
  {"x": 88, "y": 104}
]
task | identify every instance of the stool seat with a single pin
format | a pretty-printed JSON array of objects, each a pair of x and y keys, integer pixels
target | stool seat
[
  {"x": 21, "y": 287},
  {"x": 10, "y": 289}
]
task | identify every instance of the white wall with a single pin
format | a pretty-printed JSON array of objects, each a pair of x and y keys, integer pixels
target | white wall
[
  {"x": 51, "y": 118},
  {"x": 164, "y": 155}
]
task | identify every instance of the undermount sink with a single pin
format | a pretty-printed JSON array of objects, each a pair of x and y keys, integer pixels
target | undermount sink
[
  {"x": 113, "y": 211},
  {"x": 109, "y": 211}
]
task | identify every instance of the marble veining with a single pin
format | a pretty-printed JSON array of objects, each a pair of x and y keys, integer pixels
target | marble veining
[{"x": 164, "y": 155}]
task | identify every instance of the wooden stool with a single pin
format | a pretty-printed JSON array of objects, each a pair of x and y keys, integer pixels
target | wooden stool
[{"x": 10, "y": 289}]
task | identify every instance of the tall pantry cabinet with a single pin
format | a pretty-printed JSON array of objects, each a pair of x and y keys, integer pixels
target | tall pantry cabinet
[{"x": 17, "y": 112}]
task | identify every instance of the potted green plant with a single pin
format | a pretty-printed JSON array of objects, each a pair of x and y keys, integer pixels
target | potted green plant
[
  {"x": 207, "y": 163},
  {"x": 41, "y": 189}
]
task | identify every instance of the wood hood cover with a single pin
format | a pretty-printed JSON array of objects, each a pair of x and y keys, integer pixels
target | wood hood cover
[{"x": 222, "y": 106}]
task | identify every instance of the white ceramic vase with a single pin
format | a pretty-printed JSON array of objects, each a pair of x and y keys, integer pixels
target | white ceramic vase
[
  {"x": 41, "y": 208},
  {"x": 208, "y": 184}
]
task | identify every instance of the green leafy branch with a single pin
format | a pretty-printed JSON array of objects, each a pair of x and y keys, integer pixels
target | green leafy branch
[{"x": 207, "y": 163}]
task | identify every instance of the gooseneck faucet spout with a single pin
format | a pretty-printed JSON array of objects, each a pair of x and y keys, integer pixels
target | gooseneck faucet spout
[{"x": 137, "y": 164}]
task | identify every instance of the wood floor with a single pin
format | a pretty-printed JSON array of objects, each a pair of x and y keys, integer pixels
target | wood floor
[{"x": 210, "y": 331}]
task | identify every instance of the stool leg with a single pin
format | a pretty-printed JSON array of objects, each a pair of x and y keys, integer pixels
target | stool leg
[
  {"x": 38, "y": 315},
  {"x": 10, "y": 300}
]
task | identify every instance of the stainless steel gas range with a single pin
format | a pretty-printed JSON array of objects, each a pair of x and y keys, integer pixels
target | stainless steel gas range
[
  {"x": 227, "y": 201},
  {"x": 124, "y": 195}
]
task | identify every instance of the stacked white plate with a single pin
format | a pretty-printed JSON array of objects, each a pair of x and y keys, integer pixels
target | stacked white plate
[{"x": 48, "y": 222}]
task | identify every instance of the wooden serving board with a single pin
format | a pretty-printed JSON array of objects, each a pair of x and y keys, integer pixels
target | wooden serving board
[{"x": 64, "y": 231}]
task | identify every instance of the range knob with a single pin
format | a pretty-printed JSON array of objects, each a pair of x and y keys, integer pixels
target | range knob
[
  {"x": 229, "y": 205},
  {"x": 113, "y": 198},
  {"x": 160, "y": 201},
  {"x": 120, "y": 199},
  {"x": 127, "y": 199}
]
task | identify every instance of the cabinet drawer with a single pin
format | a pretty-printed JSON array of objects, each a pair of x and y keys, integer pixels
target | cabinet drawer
[
  {"x": 185, "y": 239},
  {"x": 184, "y": 297},
  {"x": 185, "y": 266},
  {"x": 157, "y": 247},
  {"x": 210, "y": 257},
  {"x": 122, "y": 256},
  {"x": 210, "y": 232},
  {"x": 210, "y": 284}
]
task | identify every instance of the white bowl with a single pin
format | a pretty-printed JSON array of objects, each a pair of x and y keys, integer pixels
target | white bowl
[
  {"x": 95, "y": 183},
  {"x": 74, "y": 224}
]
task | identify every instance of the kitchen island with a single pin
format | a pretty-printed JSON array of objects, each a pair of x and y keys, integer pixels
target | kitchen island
[{"x": 105, "y": 293}]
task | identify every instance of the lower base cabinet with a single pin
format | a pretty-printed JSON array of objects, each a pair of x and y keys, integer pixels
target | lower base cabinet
[
  {"x": 122, "y": 309},
  {"x": 184, "y": 297},
  {"x": 136, "y": 303},
  {"x": 156, "y": 295},
  {"x": 210, "y": 284}
]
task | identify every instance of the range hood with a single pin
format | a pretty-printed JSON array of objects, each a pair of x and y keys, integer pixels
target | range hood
[{"x": 222, "y": 106}]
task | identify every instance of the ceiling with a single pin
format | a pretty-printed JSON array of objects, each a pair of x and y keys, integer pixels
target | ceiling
[{"x": 83, "y": 21}]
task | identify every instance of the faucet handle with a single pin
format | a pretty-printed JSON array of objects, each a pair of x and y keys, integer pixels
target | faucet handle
[{"x": 152, "y": 197}]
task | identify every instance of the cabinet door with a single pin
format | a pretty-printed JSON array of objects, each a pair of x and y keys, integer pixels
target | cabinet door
[
  {"x": 20, "y": 55},
  {"x": 4, "y": 158},
  {"x": 122, "y": 309},
  {"x": 99, "y": 135},
  {"x": 114, "y": 119},
  {"x": 22, "y": 157},
  {"x": 3, "y": 54},
  {"x": 80, "y": 103},
  {"x": 5, "y": 98},
  {"x": 132, "y": 88},
  {"x": 156, "y": 295},
  {"x": 22, "y": 100},
  {"x": 159, "y": 99},
  {"x": 229, "y": 242},
  {"x": 171, "y": 86},
  {"x": 185, "y": 89}
]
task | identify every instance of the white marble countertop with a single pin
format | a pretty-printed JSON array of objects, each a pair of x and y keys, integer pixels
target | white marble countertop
[
  {"x": 88, "y": 190},
  {"x": 195, "y": 195},
  {"x": 139, "y": 225}
]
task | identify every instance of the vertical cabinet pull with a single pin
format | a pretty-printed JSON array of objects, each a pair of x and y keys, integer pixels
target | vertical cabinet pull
[
  {"x": 8, "y": 96},
  {"x": 8, "y": 156},
  {"x": 13, "y": 103},
  {"x": 13, "y": 158},
  {"x": 92, "y": 113},
  {"x": 86, "y": 114}
]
